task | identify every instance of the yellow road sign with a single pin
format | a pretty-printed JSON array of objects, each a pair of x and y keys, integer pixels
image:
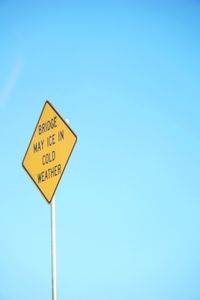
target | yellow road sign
[{"x": 49, "y": 151}]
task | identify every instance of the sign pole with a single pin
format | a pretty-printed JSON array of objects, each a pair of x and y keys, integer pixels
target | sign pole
[
  {"x": 53, "y": 248},
  {"x": 46, "y": 157}
]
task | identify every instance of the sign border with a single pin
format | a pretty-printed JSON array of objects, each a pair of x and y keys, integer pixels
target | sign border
[{"x": 48, "y": 102}]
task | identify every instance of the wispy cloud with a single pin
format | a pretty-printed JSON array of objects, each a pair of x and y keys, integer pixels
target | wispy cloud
[{"x": 10, "y": 83}]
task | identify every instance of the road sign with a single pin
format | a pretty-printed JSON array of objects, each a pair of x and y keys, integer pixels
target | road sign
[{"x": 49, "y": 151}]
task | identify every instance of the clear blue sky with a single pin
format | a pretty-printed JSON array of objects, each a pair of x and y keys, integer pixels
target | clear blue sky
[{"x": 126, "y": 74}]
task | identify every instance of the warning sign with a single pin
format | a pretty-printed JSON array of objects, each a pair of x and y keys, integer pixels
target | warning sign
[{"x": 49, "y": 151}]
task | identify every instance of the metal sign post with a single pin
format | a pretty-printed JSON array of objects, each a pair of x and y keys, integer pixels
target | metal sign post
[
  {"x": 53, "y": 244},
  {"x": 53, "y": 248},
  {"x": 45, "y": 160}
]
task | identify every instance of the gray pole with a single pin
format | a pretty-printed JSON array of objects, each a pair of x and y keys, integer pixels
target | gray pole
[
  {"x": 53, "y": 244},
  {"x": 53, "y": 248}
]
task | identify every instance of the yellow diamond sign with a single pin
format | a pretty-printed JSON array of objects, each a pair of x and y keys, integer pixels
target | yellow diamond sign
[{"x": 49, "y": 151}]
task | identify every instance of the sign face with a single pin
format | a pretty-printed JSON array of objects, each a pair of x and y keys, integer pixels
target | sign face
[{"x": 49, "y": 151}]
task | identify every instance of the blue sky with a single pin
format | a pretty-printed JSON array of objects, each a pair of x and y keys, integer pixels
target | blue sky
[{"x": 126, "y": 75}]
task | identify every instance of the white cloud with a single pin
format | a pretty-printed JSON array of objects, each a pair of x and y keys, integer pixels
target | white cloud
[{"x": 6, "y": 91}]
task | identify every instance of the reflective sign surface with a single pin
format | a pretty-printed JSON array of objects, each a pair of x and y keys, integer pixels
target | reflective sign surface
[{"x": 49, "y": 150}]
